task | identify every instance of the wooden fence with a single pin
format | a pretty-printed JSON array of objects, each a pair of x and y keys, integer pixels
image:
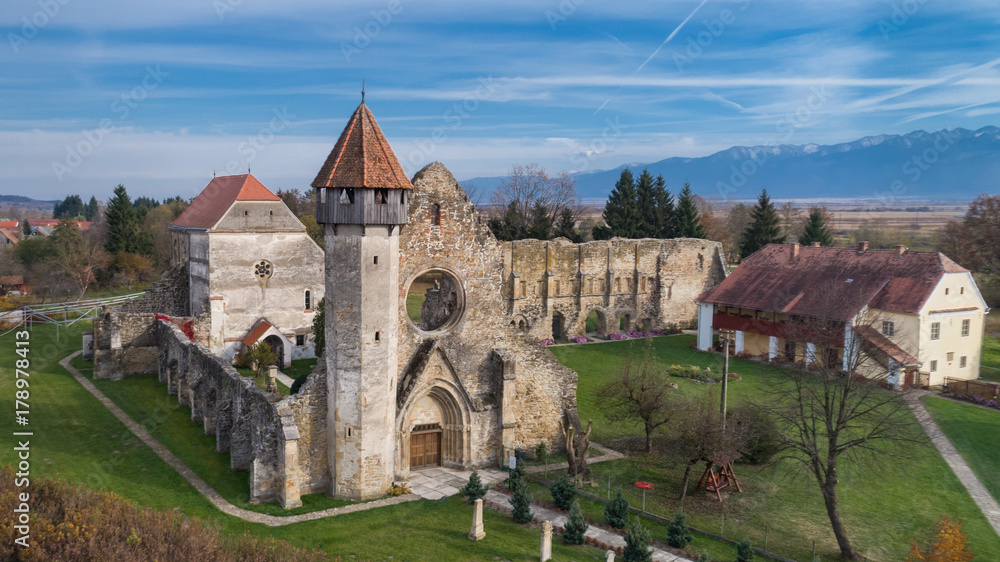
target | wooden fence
[{"x": 982, "y": 389}]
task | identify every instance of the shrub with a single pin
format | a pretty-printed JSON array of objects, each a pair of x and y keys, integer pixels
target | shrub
[
  {"x": 616, "y": 512},
  {"x": 398, "y": 490},
  {"x": 763, "y": 438},
  {"x": 521, "y": 502},
  {"x": 548, "y": 341},
  {"x": 578, "y": 339},
  {"x": 637, "y": 541},
  {"x": 563, "y": 492},
  {"x": 617, "y": 337},
  {"x": 744, "y": 551},
  {"x": 475, "y": 489},
  {"x": 576, "y": 526},
  {"x": 298, "y": 382},
  {"x": 678, "y": 532}
]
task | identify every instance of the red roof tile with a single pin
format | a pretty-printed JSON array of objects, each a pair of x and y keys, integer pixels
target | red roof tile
[
  {"x": 11, "y": 235},
  {"x": 55, "y": 222},
  {"x": 10, "y": 224},
  {"x": 11, "y": 280},
  {"x": 832, "y": 282},
  {"x": 362, "y": 157},
  {"x": 256, "y": 333},
  {"x": 218, "y": 196}
]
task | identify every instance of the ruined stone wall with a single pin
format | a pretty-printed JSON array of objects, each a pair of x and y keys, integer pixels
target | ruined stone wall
[
  {"x": 550, "y": 287},
  {"x": 167, "y": 296},
  {"x": 124, "y": 344},
  {"x": 495, "y": 387}
]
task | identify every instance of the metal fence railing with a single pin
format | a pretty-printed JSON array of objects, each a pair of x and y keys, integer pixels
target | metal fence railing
[{"x": 62, "y": 314}]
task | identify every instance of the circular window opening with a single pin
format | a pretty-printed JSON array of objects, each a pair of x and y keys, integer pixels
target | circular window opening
[
  {"x": 262, "y": 269},
  {"x": 434, "y": 300}
]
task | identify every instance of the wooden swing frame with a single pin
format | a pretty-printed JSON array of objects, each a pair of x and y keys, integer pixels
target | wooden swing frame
[{"x": 715, "y": 482}]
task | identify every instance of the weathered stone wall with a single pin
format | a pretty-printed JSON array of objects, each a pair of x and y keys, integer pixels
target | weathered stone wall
[
  {"x": 167, "y": 296},
  {"x": 124, "y": 344},
  {"x": 550, "y": 287},
  {"x": 494, "y": 387}
]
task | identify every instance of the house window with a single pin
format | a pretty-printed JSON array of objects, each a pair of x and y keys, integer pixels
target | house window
[
  {"x": 308, "y": 299},
  {"x": 888, "y": 328},
  {"x": 346, "y": 196},
  {"x": 935, "y": 330},
  {"x": 934, "y": 366},
  {"x": 790, "y": 351},
  {"x": 435, "y": 215},
  {"x": 946, "y": 291},
  {"x": 951, "y": 356},
  {"x": 961, "y": 290},
  {"x": 965, "y": 327},
  {"x": 300, "y": 341},
  {"x": 962, "y": 362}
]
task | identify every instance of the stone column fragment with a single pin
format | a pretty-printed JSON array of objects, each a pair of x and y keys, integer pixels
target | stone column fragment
[
  {"x": 477, "y": 533},
  {"x": 546, "y": 541}
]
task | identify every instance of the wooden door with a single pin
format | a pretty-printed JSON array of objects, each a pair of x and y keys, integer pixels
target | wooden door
[{"x": 425, "y": 449}]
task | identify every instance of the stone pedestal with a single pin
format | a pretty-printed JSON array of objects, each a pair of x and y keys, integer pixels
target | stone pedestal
[
  {"x": 609, "y": 556},
  {"x": 477, "y": 533},
  {"x": 546, "y": 541}
]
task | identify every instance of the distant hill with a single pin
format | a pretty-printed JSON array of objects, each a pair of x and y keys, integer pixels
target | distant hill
[
  {"x": 953, "y": 165},
  {"x": 27, "y": 203}
]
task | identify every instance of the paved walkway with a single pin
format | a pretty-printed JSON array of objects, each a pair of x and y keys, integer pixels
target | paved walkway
[
  {"x": 605, "y": 454},
  {"x": 202, "y": 486},
  {"x": 438, "y": 482},
  {"x": 500, "y": 502},
  {"x": 986, "y": 502},
  {"x": 285, "y": 379}
]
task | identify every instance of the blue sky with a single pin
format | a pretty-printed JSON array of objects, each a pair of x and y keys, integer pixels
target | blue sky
[{"x": 159, "y": 95}]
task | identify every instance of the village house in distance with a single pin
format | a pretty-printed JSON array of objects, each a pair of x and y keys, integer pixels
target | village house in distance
[{"x": 919, "y": 315}]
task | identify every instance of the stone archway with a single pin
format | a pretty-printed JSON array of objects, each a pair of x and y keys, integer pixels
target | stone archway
[
  {"x": 278, "y": 347},
  {"x": 435, "y": 424},
  {"x": 599, "y": 321}
]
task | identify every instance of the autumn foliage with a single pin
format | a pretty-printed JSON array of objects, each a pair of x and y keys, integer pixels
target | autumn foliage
[{"x": 948, "y": 545}]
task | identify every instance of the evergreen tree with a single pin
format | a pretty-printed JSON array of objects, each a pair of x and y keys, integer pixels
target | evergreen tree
[
  {"x": 511, "y": 226},
  {"x": 521, "y": 502},
  {"x": 563, "y": 492},
  {"x": 764, "y": 229},
  {"x": 319, "y": 328},
  {"x": 744, "y": 551},
  {"x": 69, "y": 208},
  {"x": 601, "y": 232},
  {"x": 688, "y": 219},
  {"x": 576, "y": 526},
  {"x": 124, "y": 232},
  {"x": 678, "y": 532},
  {"x": 667, "y": 223},
  {"x": 475, "y": 489},
  {"x": 645, "y": 193},
  {"x": 541, "y": 222},
  {"x": 566, "y": 226},
  {"x": 621, "y": 212},
  {"x": 616, "y": 512},
  {"x": 637, "y": 541},
  {"x": 92, "y": 210},
  {"x": 816, "y": 230},
  {"x": 26, "y": 228}
]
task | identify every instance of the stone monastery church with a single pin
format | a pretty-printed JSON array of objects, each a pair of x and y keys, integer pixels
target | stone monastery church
[{"x": 433, "y": 354}]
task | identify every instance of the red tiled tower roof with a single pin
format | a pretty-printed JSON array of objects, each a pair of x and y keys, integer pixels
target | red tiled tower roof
[
  {"x": 220, "y": 194},
  {"x": 362, "y": 157}
]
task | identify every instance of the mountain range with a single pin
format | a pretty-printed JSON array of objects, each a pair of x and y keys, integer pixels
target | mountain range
[{"x": 948, "y": 165}]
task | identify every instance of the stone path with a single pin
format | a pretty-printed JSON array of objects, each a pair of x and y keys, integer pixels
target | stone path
[
  {"x": 436, "y": 483},
  {"x": 986, "y": 502},
  {"x": 500, "y": 502},
  {"x": 606, "y": 454},
  {"x": 217, "y": 500},
  {"x": 285, "y": 379}
]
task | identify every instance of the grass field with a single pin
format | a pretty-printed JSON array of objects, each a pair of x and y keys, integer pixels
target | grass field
[
  {"x": 78, "y": 440},
  {"x": 882, "y": 510},
  {"x": 974, "y": 432},
  {"x": 991, "y": 359}
]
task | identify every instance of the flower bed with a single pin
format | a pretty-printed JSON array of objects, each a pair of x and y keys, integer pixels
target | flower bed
[
  {"x": 548, "y": 341},
  {"x": 617, "y": 336},
  {"x": 988, "y": 402},
  {"x": 578, "y": 339}
]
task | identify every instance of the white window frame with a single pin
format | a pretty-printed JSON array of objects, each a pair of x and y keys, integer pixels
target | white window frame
[
  {"x": 966, "y": 325},
  {"x": 888, "y": 328},
  {"x": 935, "y": 330}
]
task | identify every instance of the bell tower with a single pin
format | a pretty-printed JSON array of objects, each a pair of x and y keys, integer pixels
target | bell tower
[{"x": 361, "y": 203}]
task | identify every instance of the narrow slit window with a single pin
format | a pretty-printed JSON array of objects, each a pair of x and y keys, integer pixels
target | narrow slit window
[
  {"x": 308, "y": 299},
  {"x": 435, "y": 215},
  {"x": 375, "y": 260},
  {"x": 378, "y": 336}
]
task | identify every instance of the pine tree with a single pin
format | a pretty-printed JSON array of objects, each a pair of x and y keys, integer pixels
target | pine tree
[
  {"x": 666, "y": 214},
  {"x": 616, "y": 512},
  {"x": 69, "y": 208},
  {"x": 319, "y": 328},
  {"x": 26, "y": 228},
  {"x": 566, "y": 226},
  {"x": 475, "y": 489},
  {"x": 576, "y": 525},
  {"x": 621, "y": 212},
  {"x": 124, "y": 234},
  {"x": 563, "y": 492},
  {"x": 541, "y": 222},
  {"x": 637, "y": 541},
  {"x": 764, "y": 229},
  {"x": 511, "y": 226},
  {"x": 688, "y": 219},
  {"x": 92, "y": 210},
  {"x": 521, "y": 502},
  {"x": 816, "y": 230},
  {"x": 645, "y": 193},
  {"x": 678, "y": 532},
  {"x": 744, "y": 551}
]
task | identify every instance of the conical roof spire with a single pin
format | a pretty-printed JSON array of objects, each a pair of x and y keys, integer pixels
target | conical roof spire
[{"x": 362, "y": 157}]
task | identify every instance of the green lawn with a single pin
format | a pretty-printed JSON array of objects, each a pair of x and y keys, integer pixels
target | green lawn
[
  {"x": 78, "y": 440},
  {"x": 881, "y": 509},
  {"x": 991, "y": 359},
  {"x": 974, "y": 432}
]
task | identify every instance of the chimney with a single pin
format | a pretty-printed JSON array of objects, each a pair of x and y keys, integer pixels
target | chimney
[
  {"x": 862, "y": 247},
  {"x": 815, "y": 245},
  {"x": 795, "y": 253},
  {"x": 900, "y": 250}
]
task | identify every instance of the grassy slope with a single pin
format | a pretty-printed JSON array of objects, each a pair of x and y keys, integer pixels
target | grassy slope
[
  {"x": 78, "y": 440},
  {"x": 881, "y": 510},
  {"x": 974, "y": 432},
  {"x": 991, "y": 359}
]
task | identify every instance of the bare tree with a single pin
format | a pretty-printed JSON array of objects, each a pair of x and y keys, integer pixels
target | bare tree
[
  {"x": 528, "y": 187},
  {"x": 837, "y": 415},
  {"x": 577, "y": 447},
  {"x": 641, "y": 393},
  {"x": 78, "y": 256}
]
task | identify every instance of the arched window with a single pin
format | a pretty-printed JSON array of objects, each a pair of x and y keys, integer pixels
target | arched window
[
  {"x": 308, "y": 299},
  {"x": 435, "y": 214}
]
